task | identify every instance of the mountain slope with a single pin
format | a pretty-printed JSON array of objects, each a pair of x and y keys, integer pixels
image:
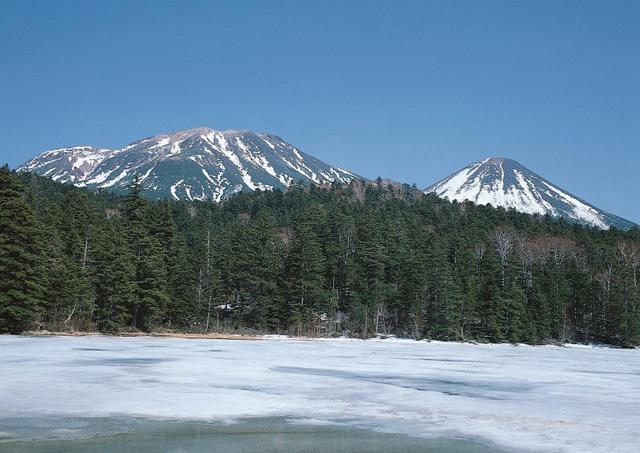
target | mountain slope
[
  {"x": 194, "y": 164},
  {"x": 505, "y": 183}
]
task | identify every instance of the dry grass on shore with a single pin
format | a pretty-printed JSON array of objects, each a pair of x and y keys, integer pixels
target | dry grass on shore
[{"x": 167, "y": 334}]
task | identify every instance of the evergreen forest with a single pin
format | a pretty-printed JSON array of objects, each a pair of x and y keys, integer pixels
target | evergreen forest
[{"x": 362, "y": 259}]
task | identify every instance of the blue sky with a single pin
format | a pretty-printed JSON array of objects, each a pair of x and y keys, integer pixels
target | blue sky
[{"x": 407, "y": 90}]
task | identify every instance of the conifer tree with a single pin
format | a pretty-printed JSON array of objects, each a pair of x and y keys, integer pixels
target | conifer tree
[
  {"x": 114, "y": 280},
  {"x": 149, "y": 257},
  {"x": 369, "y": 288},
  {"x": 151, "y": 279},
  {"x": 444, "y": 295},
  {"x": 21, "y": 268},
  {"x": 181, "y": 308},
  {"x": 305, "y": 268}
]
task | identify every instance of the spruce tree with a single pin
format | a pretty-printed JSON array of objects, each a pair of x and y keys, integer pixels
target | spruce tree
[
  {"x": 305, "y": 284},
  {"x": 21, "y": 267},
  {"x": 149, "y": 257},
  {"x": 370, "y": 286},
  {"x": 151, "y": 278},
  {"x": 114, "y": 279}
]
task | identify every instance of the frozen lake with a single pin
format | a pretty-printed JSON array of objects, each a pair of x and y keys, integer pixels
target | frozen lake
[{"x": 530, "y": 398}]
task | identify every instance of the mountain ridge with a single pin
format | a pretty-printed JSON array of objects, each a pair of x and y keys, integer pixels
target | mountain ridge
[
  {"x": 504, "y": 182},
  {"x": 193, "y": 164},
  {"x": 204, "y": 164}
]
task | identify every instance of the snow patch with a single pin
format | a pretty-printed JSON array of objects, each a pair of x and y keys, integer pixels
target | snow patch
[
  {"x": 115, "y": 180},
  {"x": 173, "y": 189}
]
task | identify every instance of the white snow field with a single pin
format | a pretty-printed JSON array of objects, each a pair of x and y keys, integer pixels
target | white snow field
[{"x": 517, "y": 397}]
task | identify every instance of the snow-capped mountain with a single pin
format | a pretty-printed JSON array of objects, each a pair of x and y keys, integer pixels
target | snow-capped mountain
[
  {"x": 194, "y": 164},
  {"x": 505, "y": 183}
]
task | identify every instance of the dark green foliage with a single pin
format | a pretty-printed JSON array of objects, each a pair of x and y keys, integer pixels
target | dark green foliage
[
  {"x": 369, "y": 285},
  {"x": 368, "y": 259},
  {"x": 149, "y": 234},
  {"x": 305, "y": 288},
  {"x": 113, "y": 278},
  {"x": 21, "y": 264}
]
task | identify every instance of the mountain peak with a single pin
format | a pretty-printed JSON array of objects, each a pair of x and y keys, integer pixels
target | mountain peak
[
  {"x": 204, "y": 130},
  {"x": 503, "y": 182},
  {"x": 195, "y": 131},
  {"x": 500, "y": 160}
]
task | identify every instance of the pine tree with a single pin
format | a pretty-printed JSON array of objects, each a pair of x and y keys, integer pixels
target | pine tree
[
  {"x": 516, "y": 315},
  {"x": 181, "y": 308},
  {"x": 369, "y": 288},
  {"x": 21, "y": 268},
  {"x": 150, "y": 262},
  {"x": 444, "y": 295},
  {"x": 114, "y": 279},
  {"x": 236, "y": 265},
  {"x": 305, "y": 269},
  {"x": 151, "y": 278},
  {"x": 266, "y": 273}
]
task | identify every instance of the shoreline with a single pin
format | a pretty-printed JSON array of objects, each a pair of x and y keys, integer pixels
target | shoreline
[
  {"x": 280, "y": 337},
  {"x": 204, "y": 336}
]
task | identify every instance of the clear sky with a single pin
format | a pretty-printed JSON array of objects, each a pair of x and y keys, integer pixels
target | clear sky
[{"x": 407, "y": 90}]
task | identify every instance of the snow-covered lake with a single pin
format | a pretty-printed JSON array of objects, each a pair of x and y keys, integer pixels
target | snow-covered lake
[{"x": 532, "y": 398}]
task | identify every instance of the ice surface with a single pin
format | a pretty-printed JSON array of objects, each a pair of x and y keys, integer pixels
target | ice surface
[
  {"x": 533, "y": 398},
  {"x": 261, "y": 435}
]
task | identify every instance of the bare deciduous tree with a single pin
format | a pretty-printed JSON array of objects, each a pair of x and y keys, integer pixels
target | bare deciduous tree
[
  {"x": 605, "y": 279},
  {"x": 503, "y": 240},
  {"x": 526, "y": 252}
]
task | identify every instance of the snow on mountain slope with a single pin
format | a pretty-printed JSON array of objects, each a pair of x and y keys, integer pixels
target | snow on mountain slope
[
  {"x": 194, "y": 164},
  {"x": 505, "y": 183},
  {"x": 73, "y": 164}
]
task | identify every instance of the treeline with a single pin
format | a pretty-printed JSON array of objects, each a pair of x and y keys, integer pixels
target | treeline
[{"x": 362, "y": 259}]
